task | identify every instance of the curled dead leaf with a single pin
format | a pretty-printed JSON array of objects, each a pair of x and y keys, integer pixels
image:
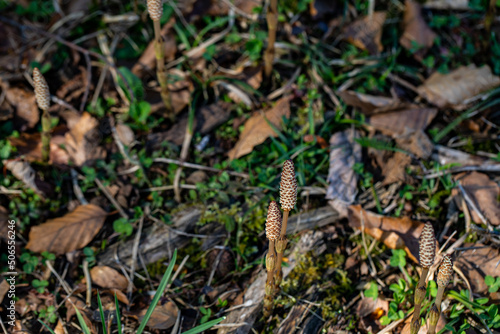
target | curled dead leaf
[
  {"x": 370, "y": 104},
  {"x": 163, "y": 317},
  {"x": 257, "y": 130},
  {"x": 395, "y": 233},
  {"x": 366, "y": 32},
  {"x": 68, "y": 233},
  {"x": 107, "y": 277},
  {"x": 454, "y": 88},
  {"x": 477, "y": 263},
  {"x": 396, "y": 122},
  {"x": 83, "y": 139},
  {"x": 485, "y": 193},
  {"x": 25, "y": 104},
  {"x": 417, "y": 34},
  {"x": 342, "y": 179}
]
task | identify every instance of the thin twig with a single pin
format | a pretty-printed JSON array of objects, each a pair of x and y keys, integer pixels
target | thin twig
[
  {"x": 199, "y": 167},
  {"x": 76, "y": 188},
  {"x": 111, "y": 198},
  {"x": 86, "y": 273},
  {"x": 133, "y": 260}
]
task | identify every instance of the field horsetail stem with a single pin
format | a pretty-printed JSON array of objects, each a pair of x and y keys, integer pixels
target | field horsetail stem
[
  {"x": 42, "y": 96},
  {"x": 443, "y": 278},
  {"x": 288, "y": 198},
  {"x": 272, "y": 26},
  {"x": 273, "y": 228},
  {"x": 155, "y": 9},
  {"x": 427, "y": 253}
]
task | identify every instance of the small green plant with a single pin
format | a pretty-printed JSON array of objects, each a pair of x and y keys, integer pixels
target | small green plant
[
  {"x": 123, "y": 226},
  {"x": 207, "y": 313},
  {"x": 89, "y": 256},
  {"x": 48, "y": 314},
  {"x": 39, "y": 285},
  {"x": 372, "y": 290},
  {"x": 30, "y": 262},
  {"x": 493, "y": 283}
]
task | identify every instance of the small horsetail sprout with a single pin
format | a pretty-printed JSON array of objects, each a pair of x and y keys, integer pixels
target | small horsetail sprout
[
  {"x": 155, "y": 9},
  {"x": 443, "y": 278},
  {"x": 288, "y": 198},
  {"x": 42, "y": 96},
  {"x": 427, "y": 252},
  {"x": 273, "y": 228}
]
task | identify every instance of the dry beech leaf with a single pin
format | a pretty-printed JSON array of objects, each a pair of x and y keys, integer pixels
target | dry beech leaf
[
  {"x": 477, "y": 263},
  {"x": 485, "y": 193},
  {"x": 392, "y": 164},
  {"x": 367, "y": 306},
  {"x": 25, "y": 104},
  {"x": 370, "y": 104},
  {"x": 163, "y": 317},
  {"x": 29, "y": 146},
  {"x": 416, "y": 142},
  {"x": 366, "y": 32},
  {"x": 83, "y": 139},
  {"x": 342, "y": 179},
  {"x": 107, "y": 277},
  {"x": 394, "y": 123},
  {"x": 220, "y": 8},
  {"x": 23, "y": 171},
  {"x": 68, "y": 233},
  {"x": 147, "y": 62},
  {"x": 4, "y": 287},
  {"x": 59, "y": 328},
  {"x": 122, "y": 298},
  {"x": 456, "y": 87},
  {"x": 257, "y": 130},
  {"x": 417, "y": 33},
  {"x": 395, "y": 233},
  {"x": 125, "y": 134}
]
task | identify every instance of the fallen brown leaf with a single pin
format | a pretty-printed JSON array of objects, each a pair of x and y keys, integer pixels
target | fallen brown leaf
[
  {"x": 125, "y": 134},
  {"x": 416, "y": 142},
  {"x": 257, "y": 130},
  {"x": 392, "y": 164},
  {"x": 220, "y": 8},
  {"x": 454, "y": 88},
  {"x": 163, "y": 317},
  {"x": 83, "y": 139},
  {"x": 342, "y": 179},
  {"x": 366, "y": 32},
  {"x": 370, "y": 104},
  {"x": 4, "y": 287},
  {"x": 107, "y": 277},
  {"x": 476, "y": 264},
  {"x": 395, "y": 233},
  {"x": 394, "y": 123},
  {"x": 26, "y": 107},
  {"x": 367, "y": 306},
  {"x": 68, "y": 233},
  {"x": 485, "y": 194},
  {"x": 23, "y": 171},
  {"x": 417, "y": 33},
  {"x": 423, "y": 329},
  {"x": 251, "y": 76},
  {"x": 59, "y": 329}
]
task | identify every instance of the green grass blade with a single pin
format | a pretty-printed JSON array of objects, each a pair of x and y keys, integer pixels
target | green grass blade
[
  {"x": 83, "y": 325},
  {"x": 159, "y": 292},
  {"x": 48, "y": 328},
  {"x": 101, "y": 312},
  {"x": 204, "y": 327},
  {"x": 118, "y": 321}
]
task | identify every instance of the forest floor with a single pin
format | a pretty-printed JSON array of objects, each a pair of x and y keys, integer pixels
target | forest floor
[{"x": 390, "y": 111}]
